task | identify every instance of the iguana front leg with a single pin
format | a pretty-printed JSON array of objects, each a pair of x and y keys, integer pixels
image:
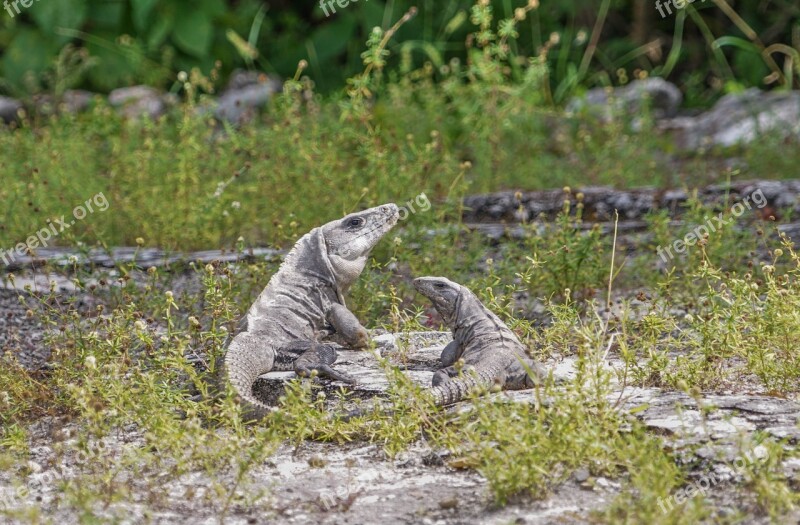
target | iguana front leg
[
  {"x": 347, "y": 326},
  {"x": 450, "y": 354}
]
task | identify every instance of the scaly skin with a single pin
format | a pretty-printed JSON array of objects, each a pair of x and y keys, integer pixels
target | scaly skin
[
  {"x": 489, "y": 353},
  {"x": 303, "y": 304}
]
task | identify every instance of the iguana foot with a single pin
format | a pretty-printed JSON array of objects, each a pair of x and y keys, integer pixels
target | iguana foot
[
  {"x": 532, "y": 375},
  {"x": 320, "y": 357},
  {"x": 331, "y": 373},
  {"x": 443, "y": 375}
]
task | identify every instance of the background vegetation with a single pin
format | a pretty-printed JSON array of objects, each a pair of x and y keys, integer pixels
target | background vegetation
[{"x": 708, "y": 48}]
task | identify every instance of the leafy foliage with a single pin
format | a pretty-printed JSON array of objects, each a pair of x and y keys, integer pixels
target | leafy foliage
[{"x": 581, "y": 43}]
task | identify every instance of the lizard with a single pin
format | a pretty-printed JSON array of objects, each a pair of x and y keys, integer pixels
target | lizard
[
  {"x": 289, "y": 325},
  {"x": 487, "y": 351}
]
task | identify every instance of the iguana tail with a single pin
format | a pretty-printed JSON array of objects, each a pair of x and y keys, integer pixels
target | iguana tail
[
  {"x": 451, "y": 391},
  {"x": 245, "y": 361},
  {"x": 458, "y": 388}
]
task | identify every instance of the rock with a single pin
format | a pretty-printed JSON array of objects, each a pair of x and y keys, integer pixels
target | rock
[
  {"x": 72, "y": 102},
  {"x": 581, "y": 475},
  {"x": 139, "y": 101},
  {"x": 387, "y": 341},
  {"x": 67, "y": 257},
  {"x": 435, "y": 459},
  {"x": 604, "y": 483},
  {"x": 449, "y": 503},
  {"x": 599, "y": 202},
  {"x": 241, "y": 79},
  {"x": 737, "y": 118},
  {"x": 790, "y": 433},
  {"x": 662, "y": 97},
  {"x": 247, "y": 92},
  {"x": 9, "y": 108},
  {"x": 21, "y": 338},
  {"x": 77, "y": 100},
  {"x": 316, "y": 462}
]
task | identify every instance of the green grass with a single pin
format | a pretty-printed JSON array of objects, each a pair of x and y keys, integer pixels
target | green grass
[{"x": 179, "y": 184}]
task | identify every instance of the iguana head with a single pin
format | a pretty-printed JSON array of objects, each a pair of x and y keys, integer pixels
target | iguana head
[
  {"x": 349, "y": 240},
  {"x": 444, "y": 294}
]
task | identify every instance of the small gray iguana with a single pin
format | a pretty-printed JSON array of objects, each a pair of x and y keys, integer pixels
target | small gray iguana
[
  {"x": 491, "y": 353},
  {"x": 303, "y": 303}
]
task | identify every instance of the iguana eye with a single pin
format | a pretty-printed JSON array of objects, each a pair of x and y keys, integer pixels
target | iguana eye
[
  {"x": 355, "y": 222},
  {"x": 439, "y": 285}
]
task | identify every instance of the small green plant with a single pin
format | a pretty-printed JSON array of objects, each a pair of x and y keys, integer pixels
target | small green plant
[{"x": 566, "y": 259}]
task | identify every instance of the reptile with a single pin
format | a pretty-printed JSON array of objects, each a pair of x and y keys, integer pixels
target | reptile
[
  {"x": 484, "y": 352},
  {"x": 291, "y": 323}
]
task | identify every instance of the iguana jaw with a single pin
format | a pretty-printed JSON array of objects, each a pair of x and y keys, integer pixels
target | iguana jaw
[
  {"x": 350, "y": 240},
  {"x": 444, "y": 295}
]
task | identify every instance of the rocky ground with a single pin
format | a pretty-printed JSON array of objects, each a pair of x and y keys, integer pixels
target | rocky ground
[{"x": 357, "y": 483}]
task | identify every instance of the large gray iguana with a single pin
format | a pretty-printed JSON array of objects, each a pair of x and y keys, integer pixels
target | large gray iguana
[
  {"x": 303, "y": 303},
  {"x": 488, "y": 352}
]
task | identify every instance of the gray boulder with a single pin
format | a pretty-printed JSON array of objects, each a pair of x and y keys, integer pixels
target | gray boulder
[
  {"x": 663, "y": 98},
  {"x": 77, "y": 100},
  {"x": 139, "y": 101},
  {"x": 72, "y": 101},
  {"x": 738, "y": 119},
  {"x": 247, "y": 92},
  {"x": 241, "y": 78},
  {"x": 8, "y": 109}
]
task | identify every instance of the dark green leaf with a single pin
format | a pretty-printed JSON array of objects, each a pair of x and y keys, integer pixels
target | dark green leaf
[
  {"x": 212, "y": 8},
  {"x": 67, "y": 14},
  {"x": 141, "y": 13},
  {"x": 29, "y": 52},
  {"x": 115, "y": 67},
  {"x": 161, "y": 29},
  {"x": 106, "y": 15},
  {"x": 193, "y": 33},
  {"x": 332, "y": 38}
]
